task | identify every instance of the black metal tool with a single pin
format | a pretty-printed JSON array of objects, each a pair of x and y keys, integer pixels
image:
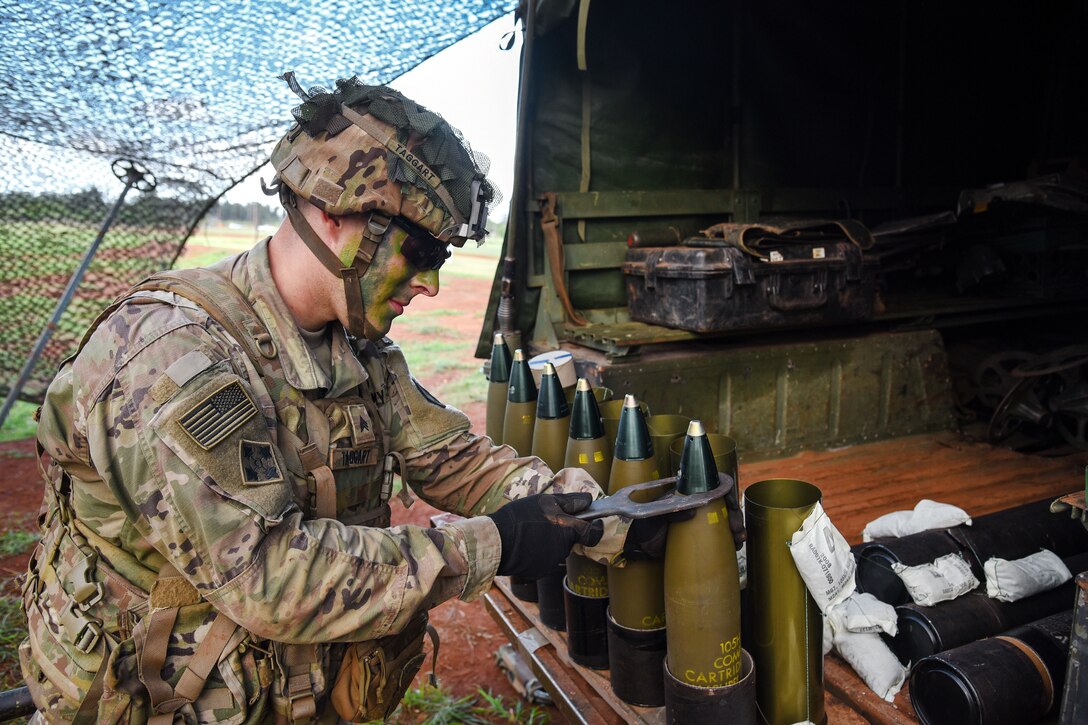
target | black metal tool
[{"x": 626, "y": 502}]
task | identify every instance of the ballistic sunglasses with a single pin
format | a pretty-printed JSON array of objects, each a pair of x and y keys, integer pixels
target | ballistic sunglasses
[{"x": 420, "y": 248}]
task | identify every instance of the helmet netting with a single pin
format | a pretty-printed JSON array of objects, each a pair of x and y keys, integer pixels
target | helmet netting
[{"x": 444, "y": 149}]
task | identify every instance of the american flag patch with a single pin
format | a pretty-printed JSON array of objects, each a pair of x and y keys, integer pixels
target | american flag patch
[{"x": 220, "y": 414}]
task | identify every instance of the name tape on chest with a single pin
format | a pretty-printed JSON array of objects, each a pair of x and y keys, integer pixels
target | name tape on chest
[{"x": 210, "y": 421}]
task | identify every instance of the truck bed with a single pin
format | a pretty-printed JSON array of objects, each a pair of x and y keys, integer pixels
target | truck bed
[{"x": 859, "y": 483}]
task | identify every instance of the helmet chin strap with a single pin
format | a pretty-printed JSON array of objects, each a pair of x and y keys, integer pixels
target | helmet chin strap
[{"x": 351, "y": 268}]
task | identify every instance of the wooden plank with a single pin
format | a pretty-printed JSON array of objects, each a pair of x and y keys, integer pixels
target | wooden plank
[
  {"x": 859, "y": 483},
  {"x": 862, "y": 482},
  {"x": 840, "y": 680}
]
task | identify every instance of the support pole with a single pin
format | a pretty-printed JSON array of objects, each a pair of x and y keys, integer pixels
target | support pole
[{"x": 133, "y": 175}]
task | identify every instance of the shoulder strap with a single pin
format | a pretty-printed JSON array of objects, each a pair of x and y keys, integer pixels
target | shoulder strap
[
  {"x": 213, "y": 293},
  {"x": 224, "y": 303}
]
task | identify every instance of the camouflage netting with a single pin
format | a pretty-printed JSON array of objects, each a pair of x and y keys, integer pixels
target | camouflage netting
[{"x": 189, "y": 90}]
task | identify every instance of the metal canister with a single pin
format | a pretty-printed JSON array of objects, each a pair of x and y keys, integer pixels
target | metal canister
[
  {"x": 1016, "y": 677},
  {"x": 787, "y": 627},
  {"x": 520, "y": 418},
  {"x": 636, "y": 589},
  {"x": 587, "y": 580},
  {"x": 497, "y": 388},
  {"x": 702, "y": 583},
  {"x": 552, "y": 420}
]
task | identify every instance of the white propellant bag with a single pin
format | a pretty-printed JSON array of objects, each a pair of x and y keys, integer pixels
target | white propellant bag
[
  {"x": 874, "y": 662},
  {"x": 856, "y": 625},
  {"x": 864, "y": 613},
  {"x": 1009, "y": 581},
  {"x": 946, "y": 578},
  {"x": 824, "y": 560},
  {"x": 925, "y": 516}
]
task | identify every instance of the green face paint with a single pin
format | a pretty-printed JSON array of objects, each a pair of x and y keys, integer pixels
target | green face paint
[{"x": 387, "y": 285}]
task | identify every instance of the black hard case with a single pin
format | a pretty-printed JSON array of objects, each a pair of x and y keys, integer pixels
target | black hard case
[{"x": 721, "y": 288}]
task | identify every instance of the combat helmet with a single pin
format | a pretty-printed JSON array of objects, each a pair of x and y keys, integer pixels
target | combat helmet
[{"x": 363, "y": 149}]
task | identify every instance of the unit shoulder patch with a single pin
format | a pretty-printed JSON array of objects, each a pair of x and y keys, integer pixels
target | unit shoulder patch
[
  {"x": 427, "y": 394},
  {"x": 210, "y": 421},
  {"x": 258, "y": 463}
]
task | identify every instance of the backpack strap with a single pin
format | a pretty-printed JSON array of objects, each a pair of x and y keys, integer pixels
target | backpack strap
[
  {"x": 213, "y": 293},
  {"x": 223, "y": 301},
  {"x": 170, "y": 592}
]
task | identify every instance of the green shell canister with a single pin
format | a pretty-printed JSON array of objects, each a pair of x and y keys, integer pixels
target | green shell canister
[
  {"x": 702, "y": 582},
  {"x": 520, "y": 417},
  {"x": 498, "y": 388},
  {"x": 586, "y": 585},
  {"x": 637, "y": 589},
  {"x": 709, "y": 677},
  {"x": 552, "y": 420}
]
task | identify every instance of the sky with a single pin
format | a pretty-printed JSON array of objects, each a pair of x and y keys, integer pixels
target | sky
[{"x": 474, "y": 85}]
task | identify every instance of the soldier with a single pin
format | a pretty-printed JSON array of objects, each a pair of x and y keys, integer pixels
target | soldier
[{"x": 221, "y": 452}]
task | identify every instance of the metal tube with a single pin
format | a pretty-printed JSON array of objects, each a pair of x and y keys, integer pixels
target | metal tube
[
  {"x": 15, "y": 703},
  {"x": 505, "y": 312},
  {"x": 787, "y": 631},
  {"x": 1011, "y": 679}
]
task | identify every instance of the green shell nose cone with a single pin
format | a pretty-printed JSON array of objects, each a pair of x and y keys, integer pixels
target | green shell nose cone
[
  {"x": 633, "y": 439},
  {"x": 500, "y": 360},
  {"x": 522, "y": 386},
  {"x": 697, "y": 470},
  {"x": 585, "y": 417},
  {"x": 552, "y": 402}
]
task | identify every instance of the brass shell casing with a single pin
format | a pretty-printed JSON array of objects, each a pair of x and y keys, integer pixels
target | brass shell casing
[
  {"x": 550, "y": 441},
  {"x": 787, "y": 635},
  {"x": 636, "y": 590},
  {"x": 517, "y": 429},
  {"x": 702, "y": 599},
  {"x": 496, "y": 411}
]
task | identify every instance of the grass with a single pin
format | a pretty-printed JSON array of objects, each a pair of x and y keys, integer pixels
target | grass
[
  {"x": 437, "y": 706},
  {"x": 16, "y": 542},
  {"x": 12, "y": 632},
  {"x": 20, "y": 422}
]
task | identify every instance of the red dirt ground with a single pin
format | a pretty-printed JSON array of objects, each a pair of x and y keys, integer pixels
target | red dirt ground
[{"x": 469, "y": 636}]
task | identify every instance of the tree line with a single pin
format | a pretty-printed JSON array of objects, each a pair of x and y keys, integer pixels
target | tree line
[{"x": 145, "y": 208}]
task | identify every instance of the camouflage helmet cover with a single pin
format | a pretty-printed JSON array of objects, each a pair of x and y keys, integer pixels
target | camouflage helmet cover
[{"x": 367, "y": 148}]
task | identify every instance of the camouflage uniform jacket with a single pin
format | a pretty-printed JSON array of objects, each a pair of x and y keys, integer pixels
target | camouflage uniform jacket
[{"x": 177, "y": 451}]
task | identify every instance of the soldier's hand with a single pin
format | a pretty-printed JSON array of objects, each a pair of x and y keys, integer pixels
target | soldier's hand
[
  {"x": 646, "y": 537},
  {"x": 537, "y": 532}
]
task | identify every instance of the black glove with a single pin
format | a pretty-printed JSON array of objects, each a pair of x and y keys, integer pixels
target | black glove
[
  {"x": 537, "y": 533},
  {"x": 646, "y": 537}
]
